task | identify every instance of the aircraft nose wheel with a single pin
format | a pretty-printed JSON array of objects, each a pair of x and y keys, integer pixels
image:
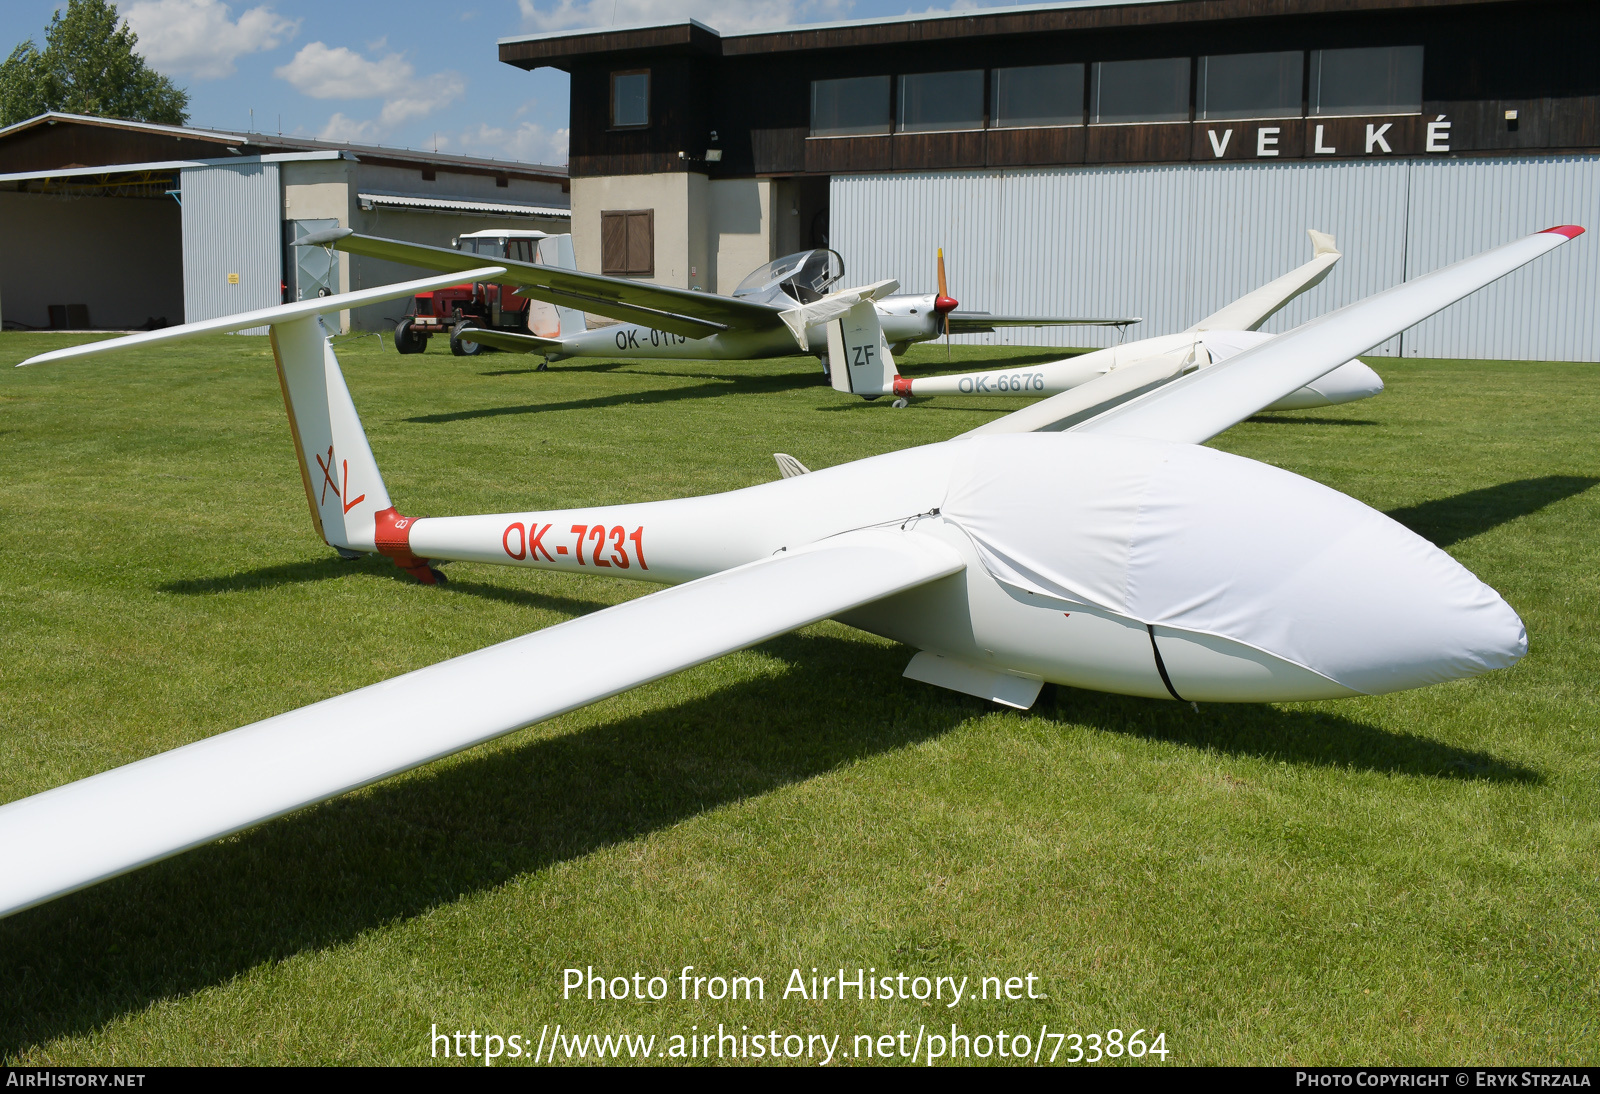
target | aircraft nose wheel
[{"x": 900, "y": 404}]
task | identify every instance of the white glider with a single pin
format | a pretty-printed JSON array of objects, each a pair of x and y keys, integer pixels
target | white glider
[
  {"x": 1116, "y": 555},
  {"x": 1156, "y": 360}
]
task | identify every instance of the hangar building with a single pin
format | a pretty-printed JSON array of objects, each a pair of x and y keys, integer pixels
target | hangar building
[
  {"x": 1107, "y": 157},
  {"x": 116, "y": 225}
]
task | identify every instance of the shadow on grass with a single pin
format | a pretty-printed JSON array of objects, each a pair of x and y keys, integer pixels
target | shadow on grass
[
  {"x": 1304, "y": 737},
  {"x": 322, "y": 877},
  {"x": 1462, "y": 516},
  {"x": 1279, "y": 419},
  {"x": 721, "y": 385},
  {"x": 332, "y": 569}
]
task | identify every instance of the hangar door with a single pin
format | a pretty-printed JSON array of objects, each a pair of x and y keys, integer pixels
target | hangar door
[{"x": 232, "y": 254}]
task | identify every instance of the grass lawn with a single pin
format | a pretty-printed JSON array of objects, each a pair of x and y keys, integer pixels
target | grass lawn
[{"x": 1404, "y": 879}]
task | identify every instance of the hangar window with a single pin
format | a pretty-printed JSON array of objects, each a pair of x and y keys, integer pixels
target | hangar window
[
  {"x": 1385, "y": 80},
  {"x": 1037, "y": 95},
  {"x": 628, "y": 243},
  {"x": 1250, "y": 85},
  {"x": 1140, "y": 91},
  {"x": 630, "y": 98},
  {"x": 849, "y": 108},
  {"x": 932, "y": 101}
]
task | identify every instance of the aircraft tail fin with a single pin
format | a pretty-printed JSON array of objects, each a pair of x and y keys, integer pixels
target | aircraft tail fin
[
  {"x": 350, "y": 506},
  {"x": 1255, "y": 308},
  {"x": 557, "y": 251},
  {"x": 859, "y": 361}
]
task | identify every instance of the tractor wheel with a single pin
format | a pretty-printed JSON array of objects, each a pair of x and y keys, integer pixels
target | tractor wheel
[
  {"x": 459, "y": 345},
  {"x": 406, "y": 338}
]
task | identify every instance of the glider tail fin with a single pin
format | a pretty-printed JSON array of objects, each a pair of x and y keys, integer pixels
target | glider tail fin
[
  {"x": 557, "y": 251},
  {"x": 1255, "y": 308},
  {"x": 344, "y": 488},
  {"x": 859, "y": 361}
]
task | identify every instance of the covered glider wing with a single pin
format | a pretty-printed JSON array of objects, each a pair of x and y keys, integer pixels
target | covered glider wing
[
  {"x": 978, "y": 322},
  {"x": 680, "y": 311},
  {"x": 1197, "y": 407},
  {"x": 85, "y": 832}
]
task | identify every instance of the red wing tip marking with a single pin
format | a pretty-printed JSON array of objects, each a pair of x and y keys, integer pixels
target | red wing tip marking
[{"x": 1571, "y": 231}]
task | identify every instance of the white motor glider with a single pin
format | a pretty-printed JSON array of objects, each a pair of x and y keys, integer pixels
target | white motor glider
[
  {"x": 1152, "y": 361},
  {"x": 780, "y": 310},
  {"x": 1118, "y": 554}
]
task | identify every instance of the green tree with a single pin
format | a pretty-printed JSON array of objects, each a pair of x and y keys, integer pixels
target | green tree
[{"x": 88, "y": 66}]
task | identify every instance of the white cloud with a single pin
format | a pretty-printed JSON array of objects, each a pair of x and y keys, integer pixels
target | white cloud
[
  {"x": 725, "y": 15},
  {"x": 350, "y": 131},
  {"x": 325, "y": 72},
  {"x": 335, "y": 72},
  {"x": 528, "y": 142},
  {"x": 197, "y": 38}
]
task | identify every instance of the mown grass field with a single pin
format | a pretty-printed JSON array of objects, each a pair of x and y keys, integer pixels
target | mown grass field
[{"x": 1404, "y": 879}]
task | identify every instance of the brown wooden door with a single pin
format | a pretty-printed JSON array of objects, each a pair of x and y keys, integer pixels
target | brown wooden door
[{"x": 628, "y": 243}]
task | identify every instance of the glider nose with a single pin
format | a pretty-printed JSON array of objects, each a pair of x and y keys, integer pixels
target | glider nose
[
  {"x": 1350, "y": 381},
  {"x": 1382, "y": 610}
]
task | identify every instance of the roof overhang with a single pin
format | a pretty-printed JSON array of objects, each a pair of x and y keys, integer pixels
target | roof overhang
[
  {"x": 379, "y": 200},
  {"x": 567, "y": 48},
  {"x": 170, "y": 165}
]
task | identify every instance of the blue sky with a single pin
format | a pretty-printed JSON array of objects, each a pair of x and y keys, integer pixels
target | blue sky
[{"x": 401, "y": 72}]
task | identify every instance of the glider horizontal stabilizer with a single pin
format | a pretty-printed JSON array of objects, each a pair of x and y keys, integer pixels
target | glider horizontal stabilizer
[
  {"x": 1197, "y": 407},
  {"x": 977, "y": 322},
  {"x": 279, "y": 313},
  {"x": 511, "y": 341},
  {"x": 109, "y": 824}
]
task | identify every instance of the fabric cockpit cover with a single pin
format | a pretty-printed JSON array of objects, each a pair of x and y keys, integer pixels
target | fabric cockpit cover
[{"x": 1199, "y": 540}]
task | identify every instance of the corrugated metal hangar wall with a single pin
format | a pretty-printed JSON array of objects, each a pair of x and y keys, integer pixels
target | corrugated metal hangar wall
[
  {"x": 232, "y": 246},
  {"x": 1174, "y": 243}
]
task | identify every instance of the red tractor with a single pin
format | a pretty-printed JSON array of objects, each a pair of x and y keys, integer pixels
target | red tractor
[{"x": 459, "y": 308}]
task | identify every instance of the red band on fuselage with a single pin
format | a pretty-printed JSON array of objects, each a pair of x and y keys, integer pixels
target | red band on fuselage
[
  {"x": 902, "y": 385},
  {"x": 392, "y": 535}
]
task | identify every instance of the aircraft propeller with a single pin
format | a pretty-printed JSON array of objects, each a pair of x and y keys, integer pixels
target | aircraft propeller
[{"x": 944, "y": 305}]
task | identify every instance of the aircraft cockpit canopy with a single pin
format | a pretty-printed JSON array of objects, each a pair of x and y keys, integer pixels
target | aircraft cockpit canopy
[{"x": 802, "y": 277}]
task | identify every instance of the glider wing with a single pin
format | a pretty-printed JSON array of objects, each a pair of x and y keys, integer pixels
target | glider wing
[
  {"x": 108, "y": 824},
  {"x": 1197, "y": 407},
  {"x": 1255, "y": 308},
  {"x": 680, "y": 311}
]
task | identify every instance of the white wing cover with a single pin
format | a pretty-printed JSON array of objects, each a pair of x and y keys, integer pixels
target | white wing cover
[{"x": 109, "y": 824}]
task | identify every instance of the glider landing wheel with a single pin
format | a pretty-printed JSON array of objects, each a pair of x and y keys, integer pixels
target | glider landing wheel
[
  {"x": 459, "y": 345},
  {"x": 438, "y": 575},
  {"x": 544, "y": 366},
  {"x": 900, "y": 404},
  {"x": 407, "y": 339}
]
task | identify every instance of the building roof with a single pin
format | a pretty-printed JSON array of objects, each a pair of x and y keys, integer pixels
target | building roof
[
  {"x": 560, "y": 49},
  {"x": 242, "y": 143},
  {"x": 383, "y": 199}
]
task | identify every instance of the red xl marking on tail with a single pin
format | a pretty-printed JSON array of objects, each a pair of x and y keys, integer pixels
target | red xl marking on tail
[
  {"x": 353, "y": 502},
  {"x": 327, "y": 481}
]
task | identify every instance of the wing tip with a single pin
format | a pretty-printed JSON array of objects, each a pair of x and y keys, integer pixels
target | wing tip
[{"x": 1571, "y": 231}]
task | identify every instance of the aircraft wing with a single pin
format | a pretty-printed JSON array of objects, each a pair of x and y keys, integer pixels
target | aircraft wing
[
  {"x": 1255, "y": 308},
  {"x": 978, "y": 322},
  {"x": 680, "y": 311},
  {"x": 512, "y": 342},
  {"x": 108, "y": 824},
  {"x": 1196, "y": 407}
]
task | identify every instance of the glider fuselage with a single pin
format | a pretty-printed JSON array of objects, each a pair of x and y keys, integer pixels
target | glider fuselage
[{"x": 905, "y": 318}]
